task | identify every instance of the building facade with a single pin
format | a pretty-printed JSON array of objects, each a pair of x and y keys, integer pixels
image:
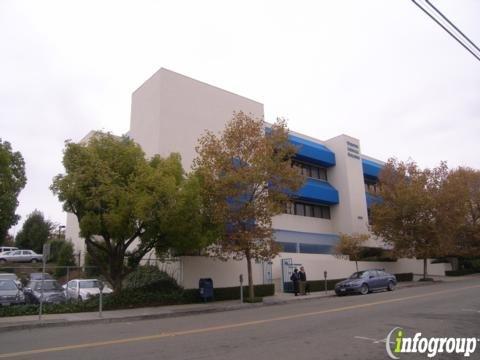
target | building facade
[{"x": 170, "y": 112}]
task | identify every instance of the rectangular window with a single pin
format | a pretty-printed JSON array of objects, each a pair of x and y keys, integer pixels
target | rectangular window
[
  {"x": 311, "y": 171},
  {"x": 305, "y": 209},
  {"x": 308, "y": 210},
  {"x": 288, "y": 247},
  {"x": 325, "y": 212},
  {"x": 299, "y": 209}
]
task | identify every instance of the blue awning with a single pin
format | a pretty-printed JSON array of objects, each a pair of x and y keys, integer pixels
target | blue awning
[
  {"x": 371, "y": 168},
  {"x": 312, "y": 152},
  {"x": 318, "y": 191}
]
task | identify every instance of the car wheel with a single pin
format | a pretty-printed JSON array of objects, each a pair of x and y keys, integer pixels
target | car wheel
[
  {"x": 391, "y": 286},
  {"x": 364, "y": 289},
  {"x": 33, "y": 261}
]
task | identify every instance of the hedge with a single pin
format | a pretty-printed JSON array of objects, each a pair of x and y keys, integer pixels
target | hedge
[
  {"x": 404, "y": 277},
  {"x": 135, "y": 298},
  {"x": 461, "y": 272}
]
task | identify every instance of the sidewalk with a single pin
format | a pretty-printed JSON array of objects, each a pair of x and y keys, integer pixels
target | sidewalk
[{"x": 54, "y": 320}]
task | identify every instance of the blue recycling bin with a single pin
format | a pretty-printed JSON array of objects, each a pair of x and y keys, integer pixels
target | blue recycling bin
[{"x": 205, "y": 288}]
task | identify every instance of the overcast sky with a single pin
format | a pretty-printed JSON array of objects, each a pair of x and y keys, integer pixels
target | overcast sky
[{"x": 380, "y": 71}]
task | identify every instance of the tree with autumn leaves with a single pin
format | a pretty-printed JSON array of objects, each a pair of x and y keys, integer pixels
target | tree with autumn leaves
[
  {"x": 246, "y": 178},
  {"x": 428, "y": 213}
]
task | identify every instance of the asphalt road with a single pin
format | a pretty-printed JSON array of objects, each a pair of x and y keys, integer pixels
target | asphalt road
[{"x": 351, "y": 327}]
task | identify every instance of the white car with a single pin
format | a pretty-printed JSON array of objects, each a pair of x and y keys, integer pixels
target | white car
[
  {"x": 82, "y": 289},
  {"x": 10, "y": 276},
  {"x": 7, "y": 248}
]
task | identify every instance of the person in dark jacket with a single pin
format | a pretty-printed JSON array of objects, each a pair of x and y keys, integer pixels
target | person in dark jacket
[
  {"x": 302, "y": 280},
  {"x": 295, "y": 279}
]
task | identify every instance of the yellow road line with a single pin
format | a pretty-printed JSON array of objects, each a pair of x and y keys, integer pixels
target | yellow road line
[{"x": 225, "y": 327}]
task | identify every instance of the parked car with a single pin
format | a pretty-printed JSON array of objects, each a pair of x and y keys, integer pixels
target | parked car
[
  {"x": 10, "y": 293},
  {"x": 38, "y": 276},
  {"x": 7, "y": 248},
  {"x": 10, "y": 276},
  {"x": 21, "y": 256},
  {"x": 52, "y": 292},
  {"x": 366, "y": 281},
  {"x": 82, "y": 289}
]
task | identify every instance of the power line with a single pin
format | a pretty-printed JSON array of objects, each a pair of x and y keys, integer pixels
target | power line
[{"x": 459, "y": 36}]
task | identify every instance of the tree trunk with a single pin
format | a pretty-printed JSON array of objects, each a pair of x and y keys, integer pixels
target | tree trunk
[
  {"x": 424, "y": 268},
  {"x": 251, "y": 294},
  {"x": 356, "y": 264}
]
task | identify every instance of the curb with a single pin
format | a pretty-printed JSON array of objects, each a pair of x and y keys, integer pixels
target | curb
[{"x": 65, "y": 323}]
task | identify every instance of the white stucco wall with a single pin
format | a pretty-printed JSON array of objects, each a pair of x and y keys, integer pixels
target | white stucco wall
[
  {"x": 316, "y": 264},
  {"x": 223, "y": 273},
  {"x": 171, "y": 111}
]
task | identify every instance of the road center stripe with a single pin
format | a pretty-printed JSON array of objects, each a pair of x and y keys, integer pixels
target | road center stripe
[{"x": 225, "y": 327}]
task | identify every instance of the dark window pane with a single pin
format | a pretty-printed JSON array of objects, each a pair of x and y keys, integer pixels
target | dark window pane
[
  {"x": 315, "y": 173},
  {"x": 288, "y": 247},
  {"x": 317, "y": 211},
  {"x": 323, "y": 174},
  {"x": 308, "y": 210},
  {"x": 315, "y": 249},
  {"x": 325, "y": 212},
  {"x": 299, "y": 209}
]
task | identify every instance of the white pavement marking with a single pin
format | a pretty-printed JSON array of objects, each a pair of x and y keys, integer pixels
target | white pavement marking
[
  {"x": 374, "y": 341},
  {"x": 471, "y": 310}
]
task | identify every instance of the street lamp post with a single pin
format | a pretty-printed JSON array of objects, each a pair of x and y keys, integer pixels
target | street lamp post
[{"x": 60, "y": 227}]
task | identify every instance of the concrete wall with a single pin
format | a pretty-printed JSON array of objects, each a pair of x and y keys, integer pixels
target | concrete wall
[
  {"x": 223, "y": 273},
  {"x": 316, "y": 264},
  {"x": 171, "y": 111}
]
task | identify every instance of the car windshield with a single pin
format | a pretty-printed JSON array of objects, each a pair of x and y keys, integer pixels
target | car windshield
[
  {"x": 88, "y": 284},
  {"x": 7, "y": 285},
  {"x": 8, "y": 276},
  {"x": 47, "y": 286},
  {"x": 358, "y": 275}
]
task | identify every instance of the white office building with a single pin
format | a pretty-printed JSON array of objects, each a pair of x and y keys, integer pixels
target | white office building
[{"x": 171, "y": 111}]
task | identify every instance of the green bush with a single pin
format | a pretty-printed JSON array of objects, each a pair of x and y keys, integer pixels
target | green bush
[
  {"x": 461, "y": 272},
  {"x": 146, "y": 275},
  {"x": 65, "y": 257},
  {"x": 319, "y": 285},
  {"x": 404, "y": 277}
]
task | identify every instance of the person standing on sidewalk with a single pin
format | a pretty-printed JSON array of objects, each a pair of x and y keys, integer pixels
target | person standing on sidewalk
[
  {"x": 295, "y": 278},
  {"x": 302, "y": 280}
]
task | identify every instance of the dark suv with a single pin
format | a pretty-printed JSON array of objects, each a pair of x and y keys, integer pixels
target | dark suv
[{"x": 366, "y": 281}]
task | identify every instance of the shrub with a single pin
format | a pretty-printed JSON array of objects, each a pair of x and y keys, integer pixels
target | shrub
[
  {"x": 404, "y": 277},
  {"x": 461, "y": 272},
  {"x": 65, "y": 257},
  {"x": 146, "y": 275}
]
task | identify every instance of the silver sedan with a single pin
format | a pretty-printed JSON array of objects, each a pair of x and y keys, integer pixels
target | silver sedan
[{"x": 21, "y": 256}]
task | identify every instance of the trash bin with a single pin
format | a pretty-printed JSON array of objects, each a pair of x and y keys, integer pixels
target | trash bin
[{"x": 205, "y": 288}]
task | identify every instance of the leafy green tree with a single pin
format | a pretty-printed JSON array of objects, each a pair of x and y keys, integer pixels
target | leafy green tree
[
  {"x": 12, "y": 181},
  {"x": 460, "y": 218},
  {"x": 409, "y": 216},
  {"x": 35, "y": 232},
  {"x": 123, "y": 202},
  {"x": 351, "y": 245},
  {"x": 246, "y": 178},
  {"x": 65, "y": 257}
]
